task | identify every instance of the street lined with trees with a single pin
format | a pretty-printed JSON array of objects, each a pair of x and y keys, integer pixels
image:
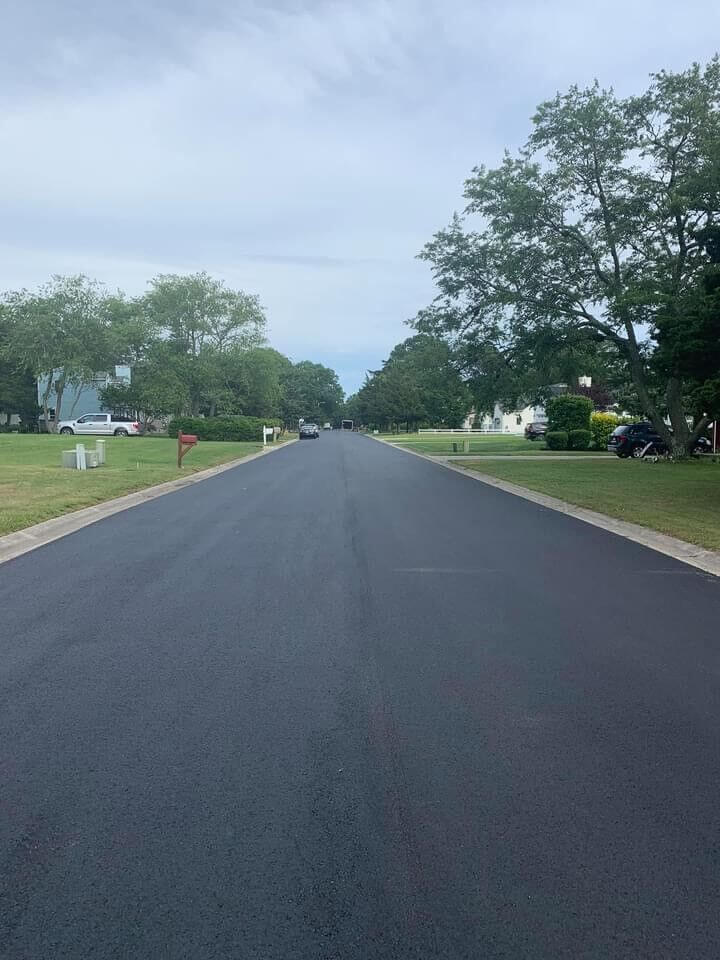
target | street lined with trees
[
  {"x": 195, "y": 347},
  {"x": 417, "y": 384},
  {"x": 599, "y": 241}
]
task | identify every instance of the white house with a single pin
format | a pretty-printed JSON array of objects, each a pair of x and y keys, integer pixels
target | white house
[
  {"x": 506, "y": 421},
  {"x": 515, "y": 421}
]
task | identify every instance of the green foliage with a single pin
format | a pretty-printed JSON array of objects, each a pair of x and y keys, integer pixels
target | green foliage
[
  {"x": 557, "y": 439},
  {"x": 688, "y": 338},
  {"x": 579, "y": 439},
  {"x": 194, "y": 347},
  {"x": 253, "y": 381},
  {"x": 418, "y": 383},
  {"x": 591, "y": 236},
  {"x": 201, "y": 320},
  {"x": 569, "y": 412},
  {"x": 18, "y": 390},
  {"x": 310, "y": 391},
  {"x": 221, "y": 428},
  {"x": 63, "y": 334},
  {"x": 601, "y": 426}
]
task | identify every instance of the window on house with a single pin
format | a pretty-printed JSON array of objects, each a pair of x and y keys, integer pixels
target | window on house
[{"x": 518, "y": 420}]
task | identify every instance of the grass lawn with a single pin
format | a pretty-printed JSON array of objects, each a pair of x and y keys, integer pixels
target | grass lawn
[
  {"x": 34, "y": 487},
  {"x": 681, "y": 499},
  {"x": 441, "y": 445}
]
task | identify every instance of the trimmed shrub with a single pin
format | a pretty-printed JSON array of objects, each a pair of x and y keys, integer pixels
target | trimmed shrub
[
  {"x": 556, "y": 439},
  {"x": 601, "y": 426},
  {"x": 579, "y": 439},
  {"x": 569, "y": 412},
  {"x": 221, "y": 428}
]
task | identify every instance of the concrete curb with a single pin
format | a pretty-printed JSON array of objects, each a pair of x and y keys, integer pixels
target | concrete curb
[
  {"x": 690, "y": 553},
  {"x": 23, "y": 541},
  {"x": 607, "y": 457}
]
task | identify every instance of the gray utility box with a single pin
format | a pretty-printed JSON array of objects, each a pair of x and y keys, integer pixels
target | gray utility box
[{"x": 93, "y": 458}]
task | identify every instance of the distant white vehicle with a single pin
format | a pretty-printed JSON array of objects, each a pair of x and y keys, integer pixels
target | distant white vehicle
[
  {"x": 100, "y": 425},
  {"x": 327, "y": 426}
]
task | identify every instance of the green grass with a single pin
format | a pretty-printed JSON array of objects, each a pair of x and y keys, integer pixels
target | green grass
[
  {"x": 492, "y": 444},
  {"x": 680, "y": 499},
  {"x": 34, "y": 487}
]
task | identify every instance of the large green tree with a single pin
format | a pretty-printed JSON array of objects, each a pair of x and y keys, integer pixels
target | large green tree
[
  {"x": 311, "y": 391},
  {"x": 418, "y": 383},
  {"x": 253, "y": 381},
  {"x": 18, "y": 388},
  {"x": 688, "y": 339},
  {"x": 157, "y": 388},
  {"x": 63, "y": 334},
  {"x": 203, "y": 320},
  {"x": 592, "y": 233}
]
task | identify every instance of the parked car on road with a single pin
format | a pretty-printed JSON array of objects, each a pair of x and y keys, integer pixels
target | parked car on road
[
  {"x": 309, "y": 431},
  {"x": 327, "y": 426},
  {"x": 100, "y": 424},
  {"x": 535, "y": 431},
  {"x": 630, "y": 440}
]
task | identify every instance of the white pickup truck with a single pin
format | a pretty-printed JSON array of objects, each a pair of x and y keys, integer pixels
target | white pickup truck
[{"x": 101, "y": 424}]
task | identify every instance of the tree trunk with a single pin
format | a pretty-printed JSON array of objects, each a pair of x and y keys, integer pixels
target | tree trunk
[
  {"x": 680, "y": 437},
  {"x": 59, "y": 390},
  {"x": 75, "y": 402},
  {"x": 46, "y": 404},
  {"x": 637, "y": 374}
]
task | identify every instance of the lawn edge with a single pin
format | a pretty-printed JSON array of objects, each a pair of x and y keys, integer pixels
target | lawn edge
[
  {"x": 700, "y": 557},
  {"x": 30, "y": 538}
]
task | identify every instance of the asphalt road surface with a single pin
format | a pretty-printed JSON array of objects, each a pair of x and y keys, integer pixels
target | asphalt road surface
[{"x": 341, "y": 703}]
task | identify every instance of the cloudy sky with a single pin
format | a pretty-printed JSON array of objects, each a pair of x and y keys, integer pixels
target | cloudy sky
[{"x": 303, "y": 151}]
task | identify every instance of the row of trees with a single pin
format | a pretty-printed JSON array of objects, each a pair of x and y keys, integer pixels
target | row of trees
[
  {"x": 194, "y": 345},
  {"x": 598, "y": 245},
  {"x": 418, "y": 383}
]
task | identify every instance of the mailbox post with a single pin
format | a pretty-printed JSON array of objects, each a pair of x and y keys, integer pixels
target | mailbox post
[{"x": 185, "y": 442}]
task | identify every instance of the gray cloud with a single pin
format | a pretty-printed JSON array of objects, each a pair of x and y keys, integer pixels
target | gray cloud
[{"x": 303, "y": 151}]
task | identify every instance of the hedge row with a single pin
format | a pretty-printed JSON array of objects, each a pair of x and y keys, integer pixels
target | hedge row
[
  {"x": 579, "y": 439},
  {"x": 221, "y": 428},
  {"x": 567, "y": 439},
  {"x": 556, "y": 439}
]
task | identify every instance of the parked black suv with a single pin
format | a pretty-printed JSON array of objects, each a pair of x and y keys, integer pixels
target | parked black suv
[{"x": 631, "y": 439}]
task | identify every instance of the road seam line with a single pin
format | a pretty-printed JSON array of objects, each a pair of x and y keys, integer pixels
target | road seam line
[{"x": 690, "y": 553}]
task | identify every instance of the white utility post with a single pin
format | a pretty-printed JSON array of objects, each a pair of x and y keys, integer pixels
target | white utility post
[{"x": 80, "y": 456}]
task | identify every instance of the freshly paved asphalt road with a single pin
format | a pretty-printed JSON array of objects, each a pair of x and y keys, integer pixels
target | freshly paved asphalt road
[{"x": 341, "y": 703}]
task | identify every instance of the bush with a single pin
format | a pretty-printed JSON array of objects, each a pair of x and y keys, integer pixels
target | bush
[
  {"x": 601, "y": 426},
  {"x": 579, "y": 439},
  {"x": 569, "y": 412},
  {"x": 221, "y": 428},
  {"x": 556, "y": 439}
]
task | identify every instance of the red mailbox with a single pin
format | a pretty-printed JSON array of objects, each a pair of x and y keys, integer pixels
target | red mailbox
[{"x": 185, "y": 441}]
